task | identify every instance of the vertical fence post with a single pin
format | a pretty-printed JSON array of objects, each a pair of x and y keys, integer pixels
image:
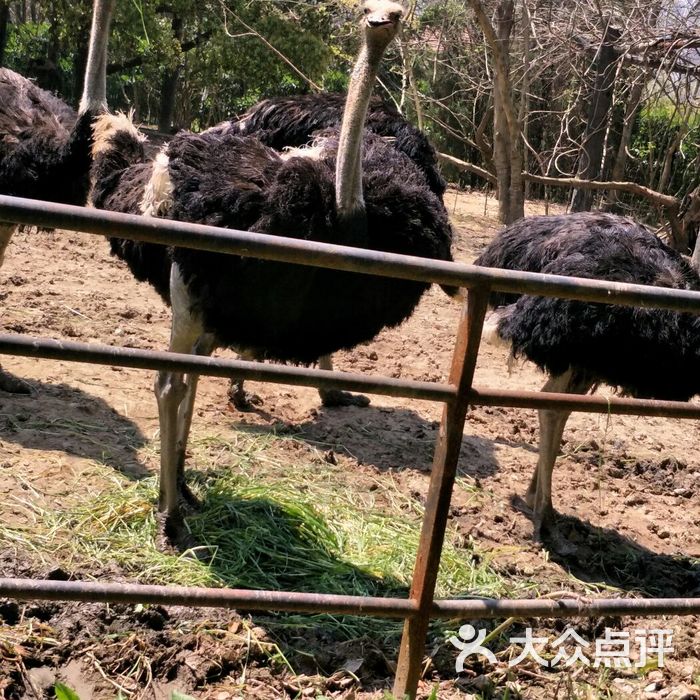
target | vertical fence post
[{"x": 437, "y": 505}]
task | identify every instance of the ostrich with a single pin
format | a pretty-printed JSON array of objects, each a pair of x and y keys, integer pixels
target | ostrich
[
  {"x": 351, "y": 188},
  {"x": 291, "y": 122},
  {"x": 285, "y": 122},
  {"x": 646, "y": 353},
  {"x": 45, "y": 146}
]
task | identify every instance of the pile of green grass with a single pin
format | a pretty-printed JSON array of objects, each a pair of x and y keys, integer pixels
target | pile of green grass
[{"x": 265, "y": 523}]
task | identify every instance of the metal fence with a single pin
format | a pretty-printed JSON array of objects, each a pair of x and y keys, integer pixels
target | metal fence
[{"x": 456, "y": 395}]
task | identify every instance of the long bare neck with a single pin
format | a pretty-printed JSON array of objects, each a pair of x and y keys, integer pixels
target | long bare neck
[
  {"x": 94, "y": 97},
  {"x": 348, "y": 173}
]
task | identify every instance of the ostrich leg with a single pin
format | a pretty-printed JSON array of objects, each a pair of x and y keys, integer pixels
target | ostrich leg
[
  {"x": 203, "y": 346},
  {"x": 336, "y": 397},
  {"x": 6, "y": 231},
  {"x": 552, "y": 423},
  {"x": 244, "y": 401},
  {"x": 175, "y": 399},
  {"x": 8, "y": 383}
]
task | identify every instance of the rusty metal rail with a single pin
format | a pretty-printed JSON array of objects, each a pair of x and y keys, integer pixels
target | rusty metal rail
[
  {"x": 294, "y": 250},
  {"x": 95, "y": 353},
  {"x": 288, "y": 601},
  {"x": 457, "y": 396}
]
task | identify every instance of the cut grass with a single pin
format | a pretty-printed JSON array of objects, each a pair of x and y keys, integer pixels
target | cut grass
[{"x": 275, "y": 515}]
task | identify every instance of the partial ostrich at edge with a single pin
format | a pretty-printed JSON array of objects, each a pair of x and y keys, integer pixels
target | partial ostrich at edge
[
  {"x": 351, "y": 188},
  {"x": 644, "y": 353},
  {"x": 45, "y": 146}
]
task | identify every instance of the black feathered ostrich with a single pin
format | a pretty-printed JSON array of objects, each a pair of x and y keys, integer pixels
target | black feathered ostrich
[
  {"x": 350, "y": 188},
  {"x": 646, "y": 353},
  {"x": 291, "y": 122},
  {"x": 45, "y": 146},
  {"x": 284, "y": 122}
]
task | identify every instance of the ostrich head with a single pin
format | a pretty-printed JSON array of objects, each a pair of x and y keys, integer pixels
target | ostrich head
[
  {"x": 94, "y": 97},
  {"x": 381, "y": 21}
]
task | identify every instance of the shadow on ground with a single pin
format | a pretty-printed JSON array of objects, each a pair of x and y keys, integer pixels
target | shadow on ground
[
  {"x": 61, "y": 417},
  {"x": 261, "y": 539},
  {"x": 385, "y": 438},
  {"x": 604, "y": 555},
  {"x": 280, "y": 544}
]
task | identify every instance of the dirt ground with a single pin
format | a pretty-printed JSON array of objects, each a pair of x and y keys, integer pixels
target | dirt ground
[{"x": 627, "y": 486}]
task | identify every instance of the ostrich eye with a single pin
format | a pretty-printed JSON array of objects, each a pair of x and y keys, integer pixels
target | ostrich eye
[{"x": 366, "y": 10}]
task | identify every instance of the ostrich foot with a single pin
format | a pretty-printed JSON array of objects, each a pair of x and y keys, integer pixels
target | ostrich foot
[
  {"x": 547, "y": 532},
  {"x": 172, "y": 531},
  {"x": 243, "y": 400},
  {"x": 187, "y": 496},
  {"x": 335, "y": 397},
  {"x": 173, "y": 536},
  {"x": 13, "y": 385}
]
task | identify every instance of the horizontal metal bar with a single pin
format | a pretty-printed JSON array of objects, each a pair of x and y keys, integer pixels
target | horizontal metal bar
[
  {"x": 293, "y": 250},
  {"x": 568, "y": 607},
  {"x": 242, "y": 599},
  {"x": 71, "y": 351},
  {"x": 583, "y": 403}
]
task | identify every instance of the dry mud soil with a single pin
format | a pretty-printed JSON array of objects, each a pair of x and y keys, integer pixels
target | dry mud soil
[{"x": 627, "y": 486}]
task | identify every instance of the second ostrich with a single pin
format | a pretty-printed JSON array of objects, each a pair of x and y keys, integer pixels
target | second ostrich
[
  {"x": 351, "y": 188},
  {"x": 292, "y": 122},
  {"x": 45, "y": 147},
  {"x": 646, "y": 353}
]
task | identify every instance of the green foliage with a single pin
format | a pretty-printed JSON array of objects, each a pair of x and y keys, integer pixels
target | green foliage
[
  {"x": 227, "y": 55},
  {"x": 658, "y": 128},
  {"x": 63, "y": 692},
  {"x": 26, "y": 42}
]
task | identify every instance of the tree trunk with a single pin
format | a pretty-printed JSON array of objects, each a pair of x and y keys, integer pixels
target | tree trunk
[
  {"x": 665, "y": 177},
  {"x": 618, "y": 169},
  {"x": 4, "y": 26},
  {"x": 516, "y": 194},
  {"x": 168, "y": 97},
  {"x": 695, "y": 259},
  {"x": 591, "y": 154},
  {"x": 501, "y": 157},
  {"x": 168, "y": 92},
  {"x": 507, "y": 150}
]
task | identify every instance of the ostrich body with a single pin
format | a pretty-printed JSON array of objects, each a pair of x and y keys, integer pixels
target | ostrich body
[
  {"x": 645, "y": 353},
  {"x": 45, "y": 146},
  {"x": 290, "y": 122},
  {"x": 351, "y": 189},
  {"x": 293, "y": 122}
]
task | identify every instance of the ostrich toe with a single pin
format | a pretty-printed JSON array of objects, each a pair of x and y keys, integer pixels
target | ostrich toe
[
  {"x": 547, "y": 532},
  {"x": 243, "y": 400}
]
